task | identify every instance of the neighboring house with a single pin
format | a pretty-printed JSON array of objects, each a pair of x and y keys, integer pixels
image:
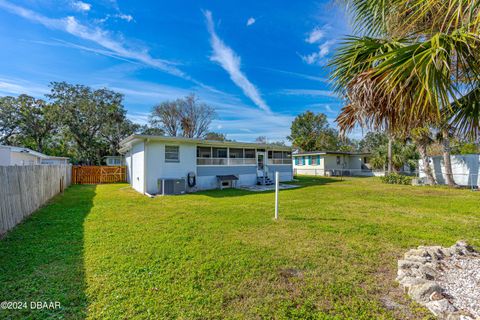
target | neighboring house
[
  {"x": 465, "y": 168},
  {"x": 201, "y": 164},
  {"x": 331, "y": 163},
  {"x": 18, "y": 156},
  {"x": 114, "y": 160}
]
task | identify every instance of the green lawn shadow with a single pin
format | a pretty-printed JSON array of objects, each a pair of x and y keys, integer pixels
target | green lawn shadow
[{"x": 41, "y": 259}]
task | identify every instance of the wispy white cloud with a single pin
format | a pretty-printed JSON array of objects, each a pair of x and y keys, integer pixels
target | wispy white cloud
[
  {"x": 307, "y": 92},
  {"x": 317, "y": 57},
  {"x": 96, "y": 35},
  {"x": 10, "y": 86},
  {"x": 250, "y": 21},
  {"x": 315, "y": 35},
  {"x": 81, "y": 6},
  {"x": 125, "y": 17},
  {"x": 230, "y": 61},
  {"x": 300, "y": 75}
]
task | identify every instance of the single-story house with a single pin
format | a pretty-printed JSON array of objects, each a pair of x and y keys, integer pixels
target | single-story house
[
  {"x": 331, "y": 163},
  {"x": 465, "y": 168},
  {"x": 115, "y": 160},
  {"x": 160, "y": 165},
  {"x": 19, "y": 156}
]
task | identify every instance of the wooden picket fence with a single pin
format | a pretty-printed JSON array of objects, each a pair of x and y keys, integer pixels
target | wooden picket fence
[
  {"x": 24, "y": 189},
  {"x": 98, "y": 174}
]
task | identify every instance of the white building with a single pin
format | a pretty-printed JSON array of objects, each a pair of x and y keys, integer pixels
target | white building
[
  {"x": 199, "y": 164},
  {"x": 18, "y": 156},
  {"x": 331, "y": 163},
  {"x": 465, "y": 169}
]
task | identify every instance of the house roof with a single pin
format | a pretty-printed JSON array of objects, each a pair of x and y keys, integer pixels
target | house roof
[
  {"x": 309, "y": 153},
  {"x": 30, "y": 151},
  {"x": 127, "y": 142}
]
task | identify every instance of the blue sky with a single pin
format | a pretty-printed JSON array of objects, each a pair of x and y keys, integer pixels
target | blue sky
[{"x": 259, "y": 63}]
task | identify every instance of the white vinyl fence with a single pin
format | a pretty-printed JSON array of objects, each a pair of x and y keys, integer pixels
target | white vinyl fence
[{"x": 24, "y": 189}]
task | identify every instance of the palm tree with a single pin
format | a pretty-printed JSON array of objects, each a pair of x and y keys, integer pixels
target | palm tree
[
  {"x": 412, "y": 61},
  {"x": 422, "y": 139}
]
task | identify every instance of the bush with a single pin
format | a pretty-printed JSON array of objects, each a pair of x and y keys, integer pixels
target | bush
[{"x": 395, "y": 178}]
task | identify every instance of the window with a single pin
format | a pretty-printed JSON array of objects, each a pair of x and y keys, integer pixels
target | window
[
  {"x": 338, "y": 160},
  {"x": 365, "y": 160},
  {"x": 172, "y": 154},
  {"x": 204, "y": 152},
  {"x": 236, "y": 153},
  {"x": 116, "y": 161},
  {"x": 249, "y": 153},
  {"x": 318, "y": 160},
  {"x": 219, "y": 152}
]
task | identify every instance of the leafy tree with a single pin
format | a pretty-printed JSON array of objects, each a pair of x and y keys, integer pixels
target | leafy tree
[
  {"x": 402, "y": 154},
  {"x": 92, "y": 118},
  {"x": 36, "y": 122},
  {"x": 150, "y": 131},
  {"x": 9, "y": 119},
  {"x": 469, "y": 148},
  {"x": 408, "y": 64},
  {"x": 187, "y": 115},
  {"x": 311, "y": 132},
  {"x": 216, "y": 136},
  {"x": 372, "y": 141},
  {"x": 261, "y": 139}
]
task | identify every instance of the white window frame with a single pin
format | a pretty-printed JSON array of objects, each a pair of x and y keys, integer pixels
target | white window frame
[{"x": 177, "y": 152}]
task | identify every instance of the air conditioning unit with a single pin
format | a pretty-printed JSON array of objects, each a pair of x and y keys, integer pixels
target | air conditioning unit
[{"x": 171, "y": 186}]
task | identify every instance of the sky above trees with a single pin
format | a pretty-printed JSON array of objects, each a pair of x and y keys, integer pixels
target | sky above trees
[{"x": 259, "y": 63}]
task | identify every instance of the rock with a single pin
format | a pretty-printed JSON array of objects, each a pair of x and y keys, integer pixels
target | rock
[
  {"x": 440, "y": 307},
  {"x": 421, "y": 292},
  {"x": 445, "y": 280}
]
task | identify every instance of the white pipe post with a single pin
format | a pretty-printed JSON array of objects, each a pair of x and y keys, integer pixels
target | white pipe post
[{"x": 276, "y": 194}]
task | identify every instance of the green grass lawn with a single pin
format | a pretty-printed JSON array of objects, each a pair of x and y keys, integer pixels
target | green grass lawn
[{"x": 107, "y": 252}]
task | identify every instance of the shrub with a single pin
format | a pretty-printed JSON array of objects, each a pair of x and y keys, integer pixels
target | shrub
[{"x": 395, "y": 178}]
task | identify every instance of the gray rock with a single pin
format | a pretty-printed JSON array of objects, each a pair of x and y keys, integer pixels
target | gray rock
[
  {"x": 421, "y": 292},
  {"x": 440, "y": 307}
]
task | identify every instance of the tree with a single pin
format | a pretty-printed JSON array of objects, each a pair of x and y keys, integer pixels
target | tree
[
  {"x": 311, "y": 132},
  {"x": 261, "y": 140},
  {"x": 150, "y": 131},
  {"x": 93, "y": 119},
  {"x": 36, "y": 122},
  {"x": 216, "y": 136},
  {"x": 9, "y": 119},
  {"x": 187, "y": 115},
  {"x": 422, "y": 138},
  {"x": 372, "y": 141},
  {"x": 409, "y": 63},
  {"x": 195, "y": 117},
  {"x": 401, "y": 154}
]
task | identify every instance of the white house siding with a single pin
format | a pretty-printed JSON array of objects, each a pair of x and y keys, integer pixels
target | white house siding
[
  {"x": 465, "y": 169},
  {"x": 285, "y": 172},
  {"x": 207, "y": 175},
  {"x": 137, "y": 163},
  {"x": 157, "y": 168},
  {"x": 23, "y": 158},
  {"x": 309, "y": 166}
]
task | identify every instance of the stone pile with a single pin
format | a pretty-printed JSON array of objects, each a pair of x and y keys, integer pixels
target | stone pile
[{"x": 445, "y": 280}]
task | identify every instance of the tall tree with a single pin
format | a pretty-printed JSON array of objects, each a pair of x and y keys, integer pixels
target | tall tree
[
  {"x": 261, "y": 139},
  {"x": 422, "y": 139},
  {"x": 195, "y": 117},
  {"x": 188, "y": 117},
  {"x": 216, "y": 136},
  {"x": 87, "y": 116},
  {"x": 36, "y": 122},
  {"x": 410, "y": 61},
  {"x": 311, "y": 132},
  {"x": 9, "y": 119}
]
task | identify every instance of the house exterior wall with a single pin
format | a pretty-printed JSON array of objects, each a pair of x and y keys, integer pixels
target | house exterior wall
[
  {"x": 137, "y": 169},
  {"x": 207, "y": 175},
  {"x": 4, "y": 157},
  {"x": 310, "y": 166},
  {"x": 23, "y": 158},
  {"x": 465, "y": 168},
  {"x": 285, "y": 172},
  {"x": 54, "y": 161},
  {"x": 128, "y": 163},
  {"x": 158, "y": 168}
]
